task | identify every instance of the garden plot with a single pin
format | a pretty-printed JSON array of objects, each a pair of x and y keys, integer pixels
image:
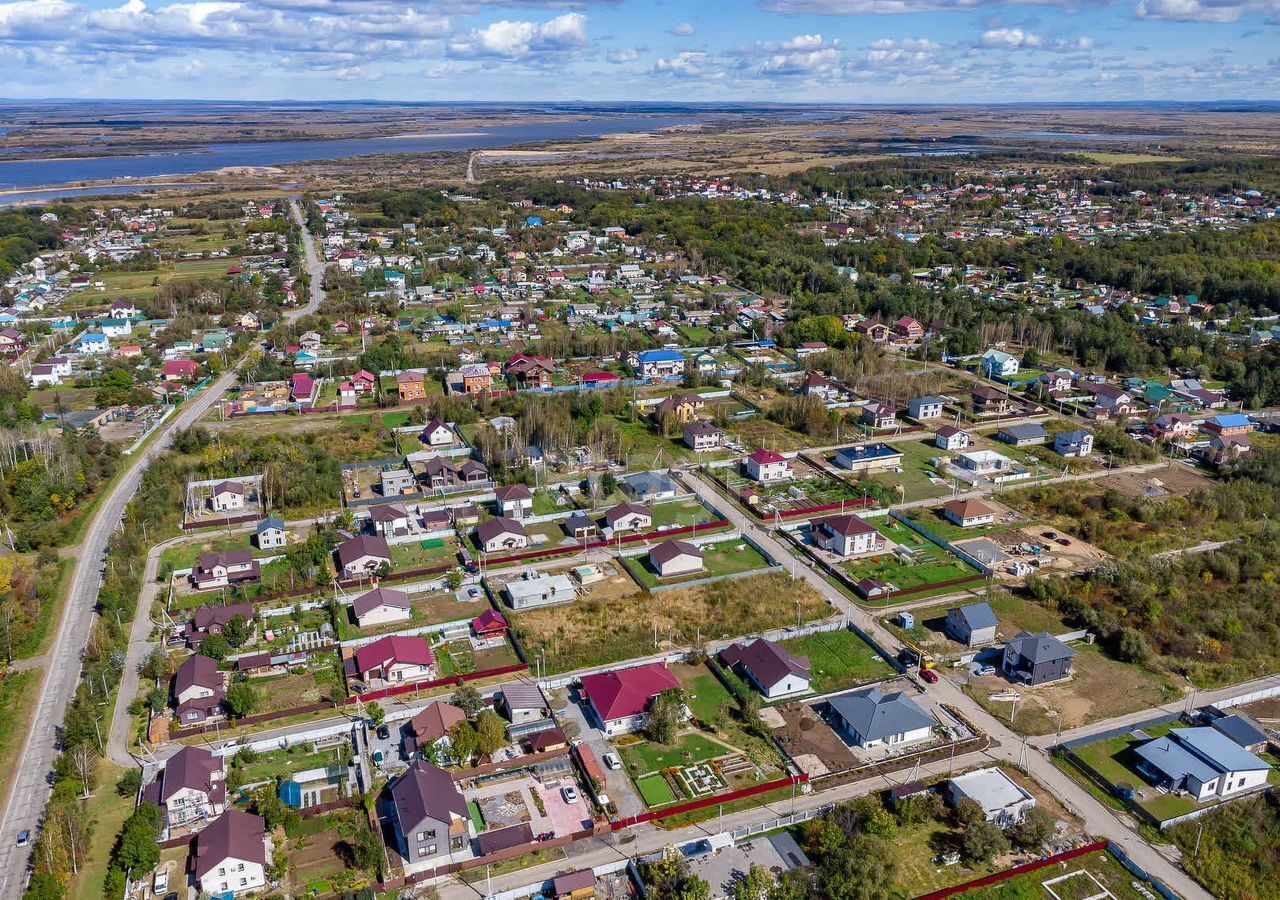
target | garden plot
[
  {"x": 692, "y": 768},
  {"x": 732, "y": 557},
  {"x": 427, "y": 608}
]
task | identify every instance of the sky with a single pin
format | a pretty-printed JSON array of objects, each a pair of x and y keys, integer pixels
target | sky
[{"x": 855, "y": 51}]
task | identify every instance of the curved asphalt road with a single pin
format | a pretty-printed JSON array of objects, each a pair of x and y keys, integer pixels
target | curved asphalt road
[{"x": 31, "y": 779}]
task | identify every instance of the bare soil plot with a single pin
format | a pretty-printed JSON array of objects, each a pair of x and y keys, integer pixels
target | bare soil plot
[
  {"x": 807, "y": 738},
  {"x": 1177, "y": 480}
]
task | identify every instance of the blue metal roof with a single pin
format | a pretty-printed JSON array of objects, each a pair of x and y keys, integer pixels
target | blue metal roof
[
  {"x": 660, "y": 356},
  {"x": 1231, "y": 420}
]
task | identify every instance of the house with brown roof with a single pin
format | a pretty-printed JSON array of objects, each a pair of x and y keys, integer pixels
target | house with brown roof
[
  {"x": 500, "y": 534},
  {"x": 430, "y": 728},
  {"x": 701, "y": 436},
  {"x": 390, "y": 519},
  {"x": 846, "y": 536},
  {"x": 671, "y": 559},
  {"x": 381, "y": 606},
  {"x": 219, "y": 570},
  {"x": 968, "y": 513},
  {"x": 363, "y": 555},
  {"x": 769, "y": 666},
  {"x": 531, "y": 372},
  {"x": 190, "y": 790},
  {"x": 230, "y": 856},
  {"x": 437, "y": 473},
  {"x": 628, "y": 517},
  {"x": 515, "y": 501},
  {"x": 431, "y": 816},
  {"x": 199, "y": 690},
  {"x": 227, "y": 496},
  {"x": 683, "y": 408},
  {"x": 989, "y": 401},
  {"x": 208, "y": 620},
  {"x": 437, "y": 434}
]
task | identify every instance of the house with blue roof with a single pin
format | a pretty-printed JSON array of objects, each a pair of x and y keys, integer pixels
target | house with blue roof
[
  {"x": 1204, "y": 762},
  {"x": 658, "y": 364},
  {"x": 94, "y": 343},
  {"x": 1229, "y": 425}
]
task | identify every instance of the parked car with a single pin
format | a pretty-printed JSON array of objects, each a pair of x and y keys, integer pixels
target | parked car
[
  {"x": 384, "y": 732},
  {"x": 984, "y": 671},
  {"x": 570, "y": 794},
  {"x": 611, "y": 760},
  {"x": 929, "y": 675},
  {"x": 24, "y": 837}
]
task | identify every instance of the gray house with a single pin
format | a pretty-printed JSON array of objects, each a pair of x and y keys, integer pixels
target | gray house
[
  {"x": 431, "y": 814},
  {"x": 1036, "y": 659},
  {"x": 972, "y": 625},
  {"x": 873, "y": 718},
  {"x": 270, "y": 534},
  {"x": 925, "y": 408},
  {"x": 1023, "y": 435},
  {"x": 1073, "y": 443}
]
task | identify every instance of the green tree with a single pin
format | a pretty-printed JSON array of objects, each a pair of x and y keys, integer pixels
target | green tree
[
  {"x": 983, "y": 842},
  {"x": 666, "y": 715},
  {"x": 755, "y": 885},
  {"x": 1036, "y": 828},
  {"x": 44, "y": 886},
  {"x": 468, "y": 699},
  {"x": 377, "y": 715},
  {"x": 238, "y": 631},
  {"x": 215, "y": 646},
  {"x": 491, "y": 732},
  {"x": 137, "y": 848},
  {"x": 130, "y": 783},
  {"x": 862, "y": 870},
  {"x": 463, "y": 741},
  {"x": 242, "y": 699},
  {"x": 669, "y": 878}
]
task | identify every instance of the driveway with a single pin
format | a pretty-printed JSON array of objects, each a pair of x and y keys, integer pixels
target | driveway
[{"x": 619, "y": 787}]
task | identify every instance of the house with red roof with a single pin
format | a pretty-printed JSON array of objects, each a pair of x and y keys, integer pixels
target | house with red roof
[
  {"x": 620, "y": 699},
  {"x": 179, "y": 370},
  {"x": 767, "y": 466},
  {"x": 490, "y": 624},
  {"x": 395, "y": 660}
]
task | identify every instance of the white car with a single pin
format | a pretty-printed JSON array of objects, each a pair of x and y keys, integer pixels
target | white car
[
  {"x": 570, "y": 794},
  {"x": 611, "y": 760}
]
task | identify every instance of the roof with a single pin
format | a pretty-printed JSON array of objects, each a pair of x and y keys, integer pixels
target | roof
[
  {"x": 968, "y": 509},
  {"x": 669, "y": 550},
  {"x": 614, "y": 513},
  {"x": 227, "y": 558},
  {"x": 523, "y": 695},
  {"x": 767, "y": 662},
  {"x": 1072, "y": 437},
  {"x": 426, "y": 791},
  {"x": 198, "y": 671},
  {"x": 573, "y": 881},
  {"x": 504, "y": 838},
  {"x": 489, "y": 620},
  {"x": 394, "y": 649},
  {"x": 764, "y": 457},
  {"x": 978, "y": 615},
  {"x": 435, "y": 721},
  {"x": 653, "y": 356},
  {"x": 497, "y": 527},
  {"x": 1024, "y": 431},
  {"x": 513, "y": 492},
  {"x": 990, "y": 788},
  {"x": 1200, "y": 753},
  {"x": 268, "y": 524},
  {"x": 1042, "y": 647},
  {"x": 845, "y": 526},
  {"x": 1231, "y": 420},
  {"x": 627, "y": 692},
  {"x": 233, "y": 835},
  {"x": 875, "y": 715},
  {"x": 228, "y": 487},
  {"x": 190, "y": 767},
  {"x": 649, "y": 483},
  {"x": 353, "y": 549},
  {"x": 388, "y": 512},
  {"x": 1241, "y": 729},
  {"x": 544, "y": 740},
  {"x": 380, "y": 596},
  {"x": 206, "y": 617}
]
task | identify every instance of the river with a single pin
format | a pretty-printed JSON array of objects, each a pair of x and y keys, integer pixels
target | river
[{"x": 53, "y": 172}]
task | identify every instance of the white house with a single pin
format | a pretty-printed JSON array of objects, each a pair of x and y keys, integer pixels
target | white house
[
  {"x": 766, "y": 467},
  {"x": 395, "y": 659},
  {"x": 231, "y": 855},
  {"x": 846, "y": 536},
  {"x": 968, "y": 513},
  {"x": 1203, "y": 762},
  {"x": 502, "y": 533},
  {"x": 1073, "y": 443},
  {"x": 702, "y": 436},
  {"x": 436, "y": 434},
  {"x": 271, "y": 534},
  {"x": 227, "y": 496},
  {"x": 515, "y": 501},
  {"x": 952, "y": 439},
  {"x": 771, "y": 668},
  {"x": 1004, "y": 803},
  {"x": 621, "y": 699},
  {"x": 381, "y": 606},
  {"x": 539, "y": 589},
  {"x": 673, "y": 558},
  {"x": 873, "y": 718},
  {"x": 922, "y": 408},
  {"x": 998, "y": 364},
  {"x": 628, "y": 517}
]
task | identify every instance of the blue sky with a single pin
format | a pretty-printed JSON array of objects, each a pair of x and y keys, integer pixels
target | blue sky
[{"x": 860, "y": 51}]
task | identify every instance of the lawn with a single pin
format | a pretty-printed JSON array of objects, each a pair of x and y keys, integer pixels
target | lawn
[
  {"x": 914, "y": 852},
  {"x": 414, "y": 555},
  {"x": 933, "y": 566},
  {"x": 655, "y": 790},
  {"x": 109, "y": 811},
  {"x": 916, "y": 471},
  {"x": 284, "y": 763},
  {"x": 678, "y": 513},
  {"x": 704, "y": 693},
  {"x": 1115, "y": 760},
  {"x": 1108, "y": 871},
  {"x": 646, "y": 756},
  {"x": 429, "y": 609},
  {"x": 17, "y": 704},
  {"x": 932, "y": 520},
  {"x": 185, "y": 554},
  {"x": 724, "y": 558},
  {"x": 594, "y": 632},
  {"x": 839, "y": 660}
]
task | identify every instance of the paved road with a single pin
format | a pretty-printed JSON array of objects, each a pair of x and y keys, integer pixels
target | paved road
[
  {"x": 1099, "y": 820},
  {"x": 31, "y": 780}
]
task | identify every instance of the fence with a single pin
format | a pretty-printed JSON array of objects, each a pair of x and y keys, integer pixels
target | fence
[
  {"x": 220, "y": 523},
  {"x": 593, "y": 545},
  {"x": 707, "y": 802},
  {"x": 1251, "y": 697},
  {"x": 1123, "y": 858},
  {"x": 998, "y": 877},
  {"x": 942, "y": 542},
  {"x": 684, "y": 585},
  {"x": 781, "y": 822}
]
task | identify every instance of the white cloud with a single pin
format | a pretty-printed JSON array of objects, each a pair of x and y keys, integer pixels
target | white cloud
[
  {"x": 895, "y": 7},
  {"x": 625, "y": 55},
  {"x": 684, "y": 29},
  {"x": 514, "y": 40},
  {"x": 1009, "y": 37},
  {"x": 689, "y": 64},
  {"x": 1203, "y": 10}
]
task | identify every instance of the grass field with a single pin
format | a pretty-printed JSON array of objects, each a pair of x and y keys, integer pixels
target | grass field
[
  {"x": 839, "y": 659},
  {"x": 916, "y": 471},
  {"x": 429, "y": 609},
  {"x": 646, "y": 756},
  {"x": 654, "y": 790},
  {"x": 283, "y": 763},
  {"x": 1103, "y": 867},
  {"x": 406, "y": 557},
  {"x": 186, "y": 554},
  {"x": 1115, "y": 760},
  {"x": 109, "y": 811},
  {"x": 17, "y": 704},
  {"x": 932, "y": 567},
  {"x": 594, "y": 632},
  {"x": 704, "y": 693}
]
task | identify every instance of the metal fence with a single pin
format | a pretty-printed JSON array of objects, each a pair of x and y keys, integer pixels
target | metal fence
[
  {"x": 781, "y": 822},
  {"x": 942, "y": 542}
]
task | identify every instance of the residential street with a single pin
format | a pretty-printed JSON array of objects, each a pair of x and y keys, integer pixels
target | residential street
[{"x": 31, "y": 786}]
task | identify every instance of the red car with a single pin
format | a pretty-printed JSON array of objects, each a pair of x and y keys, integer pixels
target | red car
[{"x": 930, "y": 676}]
